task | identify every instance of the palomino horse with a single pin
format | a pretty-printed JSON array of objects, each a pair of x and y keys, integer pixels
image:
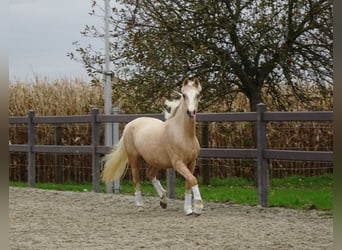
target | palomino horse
[{"x": 172, "y": 143}]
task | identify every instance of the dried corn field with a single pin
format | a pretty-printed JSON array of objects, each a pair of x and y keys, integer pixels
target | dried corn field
[{"x": 75, "y": 97}]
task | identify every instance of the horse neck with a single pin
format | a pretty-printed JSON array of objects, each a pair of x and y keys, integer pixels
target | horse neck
[{"x": 185, "y": 124}]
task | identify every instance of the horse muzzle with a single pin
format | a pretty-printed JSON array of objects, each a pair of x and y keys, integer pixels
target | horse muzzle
[{"x": 191, "y": 113}]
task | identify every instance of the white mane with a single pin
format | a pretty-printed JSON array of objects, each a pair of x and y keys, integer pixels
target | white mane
[{"x": 173, "y": 106}]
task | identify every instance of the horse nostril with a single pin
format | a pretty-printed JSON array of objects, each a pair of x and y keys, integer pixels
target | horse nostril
[{"x": 191, "y": 113}]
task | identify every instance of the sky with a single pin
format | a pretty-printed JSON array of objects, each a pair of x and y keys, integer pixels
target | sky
[{"x": 41, "y": 35}]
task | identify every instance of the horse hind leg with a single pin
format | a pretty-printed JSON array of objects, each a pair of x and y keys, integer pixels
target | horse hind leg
[
  {"x": 151, "y": 174},
  {"x": 138, "y": 199},
  {"x": 135, "y": 166},
  {"x": 161, "y": 192}
]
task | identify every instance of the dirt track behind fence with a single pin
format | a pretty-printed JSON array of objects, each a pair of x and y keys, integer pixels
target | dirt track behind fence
[{"x": 42, "y": 219}]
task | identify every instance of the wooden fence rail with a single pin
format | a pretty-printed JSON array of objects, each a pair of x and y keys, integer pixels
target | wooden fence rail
[{"x": 260, "y": 153}]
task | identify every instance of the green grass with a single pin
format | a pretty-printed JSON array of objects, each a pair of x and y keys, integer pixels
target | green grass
[{"x": 291, "y": 192}]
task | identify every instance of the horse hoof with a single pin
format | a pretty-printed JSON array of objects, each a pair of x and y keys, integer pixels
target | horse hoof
[
  {"x": 140, "y": 209},
  {"x": 198, "y": 207},
  {"x": 163, "y": 201},
  {"x": 188, "y": 211},
  {"x": 197, "y": 213},
  {"x": 163, "y": 205}
]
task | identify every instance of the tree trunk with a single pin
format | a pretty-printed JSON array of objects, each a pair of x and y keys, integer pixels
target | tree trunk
[{"x": 254, "y": 96}]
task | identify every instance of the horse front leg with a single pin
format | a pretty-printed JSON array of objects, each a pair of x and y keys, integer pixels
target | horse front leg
[
  {"x": 188, "y": 202},
  {"x": 191, "y": 184},
  {"x": 198, "y": 203},
  {"x": 151, "y": 174}
]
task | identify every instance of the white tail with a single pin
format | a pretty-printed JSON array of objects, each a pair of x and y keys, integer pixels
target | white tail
[{"x": 115, "y": 163}]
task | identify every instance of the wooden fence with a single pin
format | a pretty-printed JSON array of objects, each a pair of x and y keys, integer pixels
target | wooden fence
[{"x": 260, "y": 153}]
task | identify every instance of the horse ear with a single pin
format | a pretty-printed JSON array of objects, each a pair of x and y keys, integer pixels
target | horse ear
[
  {"x": 197, "y": 84},
  {"x": 185, "y": 82}
]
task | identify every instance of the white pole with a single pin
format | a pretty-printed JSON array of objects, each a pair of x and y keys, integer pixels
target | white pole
[
  {"x": 116, "y": 111},
  {"x": 107, "y": 83},
  {"x": 107, "y": 73}
]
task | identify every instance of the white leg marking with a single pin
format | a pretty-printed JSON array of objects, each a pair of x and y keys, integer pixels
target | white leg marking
[
  {"x": 138, "y": 199},
  {"x": 159, "y": 188},
  {"x": 198, "y": 207},
  {"x": 197, "y": 195},
  {"x": 188, "y": 203},
  {"x": 198, "y": 204},
  {"x": 161, "y": 192}
]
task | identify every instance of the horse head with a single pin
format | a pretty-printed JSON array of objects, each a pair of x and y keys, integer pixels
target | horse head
[{"x": 190, "y": 92}]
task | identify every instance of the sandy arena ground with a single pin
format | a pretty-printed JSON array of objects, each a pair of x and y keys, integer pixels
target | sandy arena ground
[{"x": 42, "y": 219}]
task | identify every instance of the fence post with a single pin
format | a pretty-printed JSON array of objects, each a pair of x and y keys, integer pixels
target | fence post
[
  {"x": 262, "y": 162},
  {"x": 58, "y": 158},
  {"x": 204, "y": 161},
  {"x": 171, "y": 183},
  {"x": 95, "y": 155},
  {"x": 31, "y": 154},
  {"x": 114, "y": 185}
]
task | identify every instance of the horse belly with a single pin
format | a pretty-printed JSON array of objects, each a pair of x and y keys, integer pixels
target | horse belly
[
  {"x": 149, "y": 142},
  {"x": 153, "y": 153}
]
